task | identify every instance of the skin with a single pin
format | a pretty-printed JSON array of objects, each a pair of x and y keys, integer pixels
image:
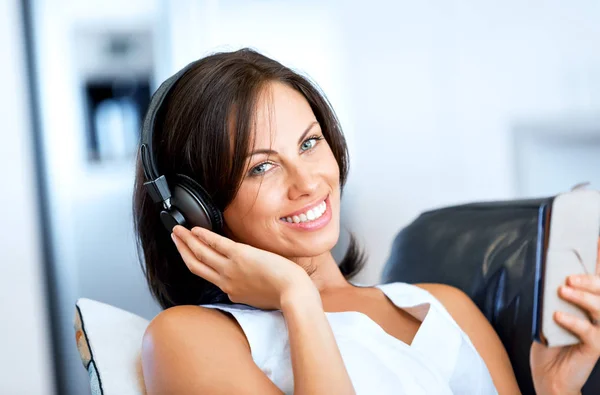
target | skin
[
  {"x": 289, "y": 181},
  {"x": 267, "y": 264},
  {"x": 564, "y": 370}
]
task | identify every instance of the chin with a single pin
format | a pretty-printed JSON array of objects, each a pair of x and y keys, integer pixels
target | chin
[{"x": 314, "y": 244}]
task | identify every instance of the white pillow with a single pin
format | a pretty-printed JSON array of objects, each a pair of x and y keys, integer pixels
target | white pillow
[{"x": 109, "y": 341}]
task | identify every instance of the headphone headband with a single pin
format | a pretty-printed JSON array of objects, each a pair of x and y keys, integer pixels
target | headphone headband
[{"x": 146, "y": 149}]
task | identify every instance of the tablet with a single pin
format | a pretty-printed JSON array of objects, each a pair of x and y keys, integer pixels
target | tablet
[{"x": 571, "y": 227}]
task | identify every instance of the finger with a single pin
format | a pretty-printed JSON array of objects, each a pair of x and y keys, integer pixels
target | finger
[
  {"x": 580, "y": 327},
  {"x": 194, "y": 265},
  {"x": 585, "y": 282},
  {"x": 586, "y": 300},
  {"x": 203, "y": 252},
  {"x": 222, "y": 245}
]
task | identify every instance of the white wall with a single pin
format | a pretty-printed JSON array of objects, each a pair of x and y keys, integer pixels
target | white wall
[
  {"x": 24, "y": 333},
  {"x": 556, "y": 153},
  {"x": 304, "y": 35}
]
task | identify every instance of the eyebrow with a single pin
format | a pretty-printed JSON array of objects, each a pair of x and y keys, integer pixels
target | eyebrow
[{"x": 273, "y": 152}]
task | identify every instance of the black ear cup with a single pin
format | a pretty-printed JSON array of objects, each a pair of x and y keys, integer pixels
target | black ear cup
[
  {"x": 194, "y": 203},
  {"x": 172, "y": 217}
]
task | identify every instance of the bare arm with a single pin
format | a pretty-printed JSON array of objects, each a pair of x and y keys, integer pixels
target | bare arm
[
  {"x": 483, "y": 336},
  {"x": 192, "y": 350},
  {"x": 316, "y": 360}
]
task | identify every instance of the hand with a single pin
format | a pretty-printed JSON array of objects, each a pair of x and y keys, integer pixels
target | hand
[
  {"x": 564, "y": 370},
  {"x": 246, "y": 274}
]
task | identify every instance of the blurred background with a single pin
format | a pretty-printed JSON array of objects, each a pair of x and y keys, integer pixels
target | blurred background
[{"x": 442, "y": 102}]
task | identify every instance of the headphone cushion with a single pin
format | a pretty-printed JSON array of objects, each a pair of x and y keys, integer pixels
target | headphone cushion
[{"x": 203, "y": 199}]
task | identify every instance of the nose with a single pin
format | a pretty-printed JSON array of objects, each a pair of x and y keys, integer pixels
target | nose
[{"x": 304, "y": 181}]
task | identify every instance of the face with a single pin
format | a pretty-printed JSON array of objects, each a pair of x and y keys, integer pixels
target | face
[{"x": 288, "y": 202}]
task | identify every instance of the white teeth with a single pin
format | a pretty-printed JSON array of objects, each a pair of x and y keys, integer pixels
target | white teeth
[
  {"x": 310, "y": 215},
  {"x": 319, "y": 210}
]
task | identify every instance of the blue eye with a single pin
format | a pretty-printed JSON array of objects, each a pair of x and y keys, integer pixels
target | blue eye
[
  {"x": 310, "y": 142},
  {"x": 260, "y": 169},
  {"x": 263, "y": 167}
]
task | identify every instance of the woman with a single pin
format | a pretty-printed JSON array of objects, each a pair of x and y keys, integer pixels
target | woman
[{"x": 264, "y": 308}]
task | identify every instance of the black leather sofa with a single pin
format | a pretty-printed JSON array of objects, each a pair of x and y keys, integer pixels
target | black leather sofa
[{"x": 488, "y": 250}]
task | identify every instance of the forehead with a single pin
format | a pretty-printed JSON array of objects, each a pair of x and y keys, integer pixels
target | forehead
[{"x": 282, "y": 113}]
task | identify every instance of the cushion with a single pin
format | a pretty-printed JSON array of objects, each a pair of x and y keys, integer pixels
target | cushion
[{"x": 109, "y": 341}]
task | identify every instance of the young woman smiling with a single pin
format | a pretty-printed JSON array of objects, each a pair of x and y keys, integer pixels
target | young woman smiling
[{"x": 263, "y": 308}]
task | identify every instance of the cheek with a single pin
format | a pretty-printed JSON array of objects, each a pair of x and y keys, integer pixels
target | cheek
[
  {"x": 331, "y": 167},
  {"x": 336, "y": 170},
  {"x": 250, "y": 214}
]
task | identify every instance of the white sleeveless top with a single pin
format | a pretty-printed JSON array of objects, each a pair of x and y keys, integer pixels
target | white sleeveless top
[{"x": 441, "y": 359}]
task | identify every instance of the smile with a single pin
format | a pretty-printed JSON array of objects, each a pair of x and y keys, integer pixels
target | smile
[
  {"x": 310, "y": 215},
  {"x": 313, "y": 218}
]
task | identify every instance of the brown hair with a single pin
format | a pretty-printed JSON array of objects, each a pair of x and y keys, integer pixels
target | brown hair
[{"x": 192, "y": 136}]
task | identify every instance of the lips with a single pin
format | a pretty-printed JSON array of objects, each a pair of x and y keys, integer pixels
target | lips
[
  {"x": 315, "y": 219},
  {"x": 306, "y": 208}
]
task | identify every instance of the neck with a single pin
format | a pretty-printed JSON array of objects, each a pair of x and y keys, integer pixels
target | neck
[{"x": 324, "y": 272}]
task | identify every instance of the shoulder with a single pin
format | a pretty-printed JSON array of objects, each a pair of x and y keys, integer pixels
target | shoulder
[
  {"x": 452, "y": 302},
  {"x": 479, "y": 331},
  {"x": 461, "y": 308},
  {"x": 444, "y": 291},
  {"x": 191, "y": 325},
  {"x": 190, "y": 341},
  {"x": 456, "y": 301},
  {"x": 196, "y": 322}
]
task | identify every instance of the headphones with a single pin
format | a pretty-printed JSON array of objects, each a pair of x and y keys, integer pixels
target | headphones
[{"x": 188, "y": 204}]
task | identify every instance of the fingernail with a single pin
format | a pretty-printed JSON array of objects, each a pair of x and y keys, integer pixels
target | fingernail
[
  {"x": 173, "y": 238},
  {"x": 567, "y": 290}
]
